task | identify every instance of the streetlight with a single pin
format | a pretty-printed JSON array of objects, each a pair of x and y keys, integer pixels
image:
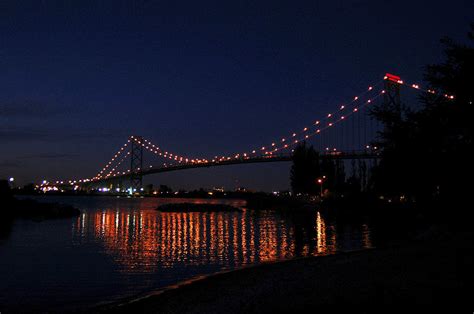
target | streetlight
[
  {"x": 11, "y": 182},
  {"x": 320, "y": 182}
]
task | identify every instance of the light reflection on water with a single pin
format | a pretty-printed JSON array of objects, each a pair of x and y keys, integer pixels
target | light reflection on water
[{"x": 138, "y": 249}]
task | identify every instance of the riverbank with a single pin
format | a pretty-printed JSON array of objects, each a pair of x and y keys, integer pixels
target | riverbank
[
  {"x": 436, "y": 269},
  {"x": 12, "y": 208}
]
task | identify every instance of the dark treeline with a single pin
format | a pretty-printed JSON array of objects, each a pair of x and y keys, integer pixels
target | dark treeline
[
  {"x": 13, "y": 208},
  {"x": 426, "y": 154},
  {"x": 315, "y": 174}
]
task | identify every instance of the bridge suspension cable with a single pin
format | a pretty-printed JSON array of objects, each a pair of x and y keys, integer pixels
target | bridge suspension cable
[
  {"x": 319, "y": 127},
  {"x": 148, "y": 145},
  {"x": 116, "y": 166},
  {"x": 289, "y": 140},
  {"x": 340, "y": 119},
  {"x": 111, "y": 161},
  {"x": 398, "y": 80}
]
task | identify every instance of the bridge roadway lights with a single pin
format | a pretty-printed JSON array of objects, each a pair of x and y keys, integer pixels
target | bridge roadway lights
[{"x": 138, "y": 174}]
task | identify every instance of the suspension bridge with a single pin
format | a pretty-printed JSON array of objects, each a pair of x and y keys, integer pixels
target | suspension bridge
[{"x": 346, "y": 133}]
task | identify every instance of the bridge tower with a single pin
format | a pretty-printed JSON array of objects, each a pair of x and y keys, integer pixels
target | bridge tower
[
  {"x": 391, "y": 98},
  {"x": 136, "y": 163}
]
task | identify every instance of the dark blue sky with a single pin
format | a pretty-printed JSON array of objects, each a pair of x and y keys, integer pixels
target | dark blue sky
[{"x": 198, "y": 78}]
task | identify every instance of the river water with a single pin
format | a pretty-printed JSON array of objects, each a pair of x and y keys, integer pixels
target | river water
[{"x": 123, "y": 248}]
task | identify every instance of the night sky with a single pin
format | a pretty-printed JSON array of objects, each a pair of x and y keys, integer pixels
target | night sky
[{"x": 198, "y": 78}]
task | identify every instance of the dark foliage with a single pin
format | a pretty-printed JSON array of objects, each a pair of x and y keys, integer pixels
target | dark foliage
[
  {"x": 30, "y": 209},
  {"x": 427, "y": 154},
  {"x": 5, "y": 191},
  {"x": 309, "y": 166},
  {"x": 164, "y": 189},
  {"x": 305, "y": 170}
]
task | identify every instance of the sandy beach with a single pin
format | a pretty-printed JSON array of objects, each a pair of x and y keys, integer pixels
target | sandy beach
[{"x": 433, "y": 270}]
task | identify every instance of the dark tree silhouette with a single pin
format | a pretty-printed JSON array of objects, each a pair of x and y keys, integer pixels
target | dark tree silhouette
[
  {"x": 5, "y": 191},
  {"x": 164, "y": 189},
  {"x": 328, "y": 169},
  {"x": 305, "y": 170},
  {"x": 446, "y": 125},
  {"x": 340, "y": 175},
  {"x": 149, "y": 188},
  {"x": 6, "y": 214},
  {"x": 427, "y": 154}
]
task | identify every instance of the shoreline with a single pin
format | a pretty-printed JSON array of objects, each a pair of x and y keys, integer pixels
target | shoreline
[
  {"x": 424, "y": 272},
  {"x": 127, "y": 301}
]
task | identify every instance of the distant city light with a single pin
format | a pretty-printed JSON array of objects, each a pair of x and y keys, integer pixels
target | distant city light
[{"x": 11, "y": 179}]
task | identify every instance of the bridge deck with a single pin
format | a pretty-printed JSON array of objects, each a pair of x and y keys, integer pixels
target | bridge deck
[{"x": 286, "y": 158}]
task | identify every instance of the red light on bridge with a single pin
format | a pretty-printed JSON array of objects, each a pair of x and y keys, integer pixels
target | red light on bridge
[{"x": 393, "y": 78}]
